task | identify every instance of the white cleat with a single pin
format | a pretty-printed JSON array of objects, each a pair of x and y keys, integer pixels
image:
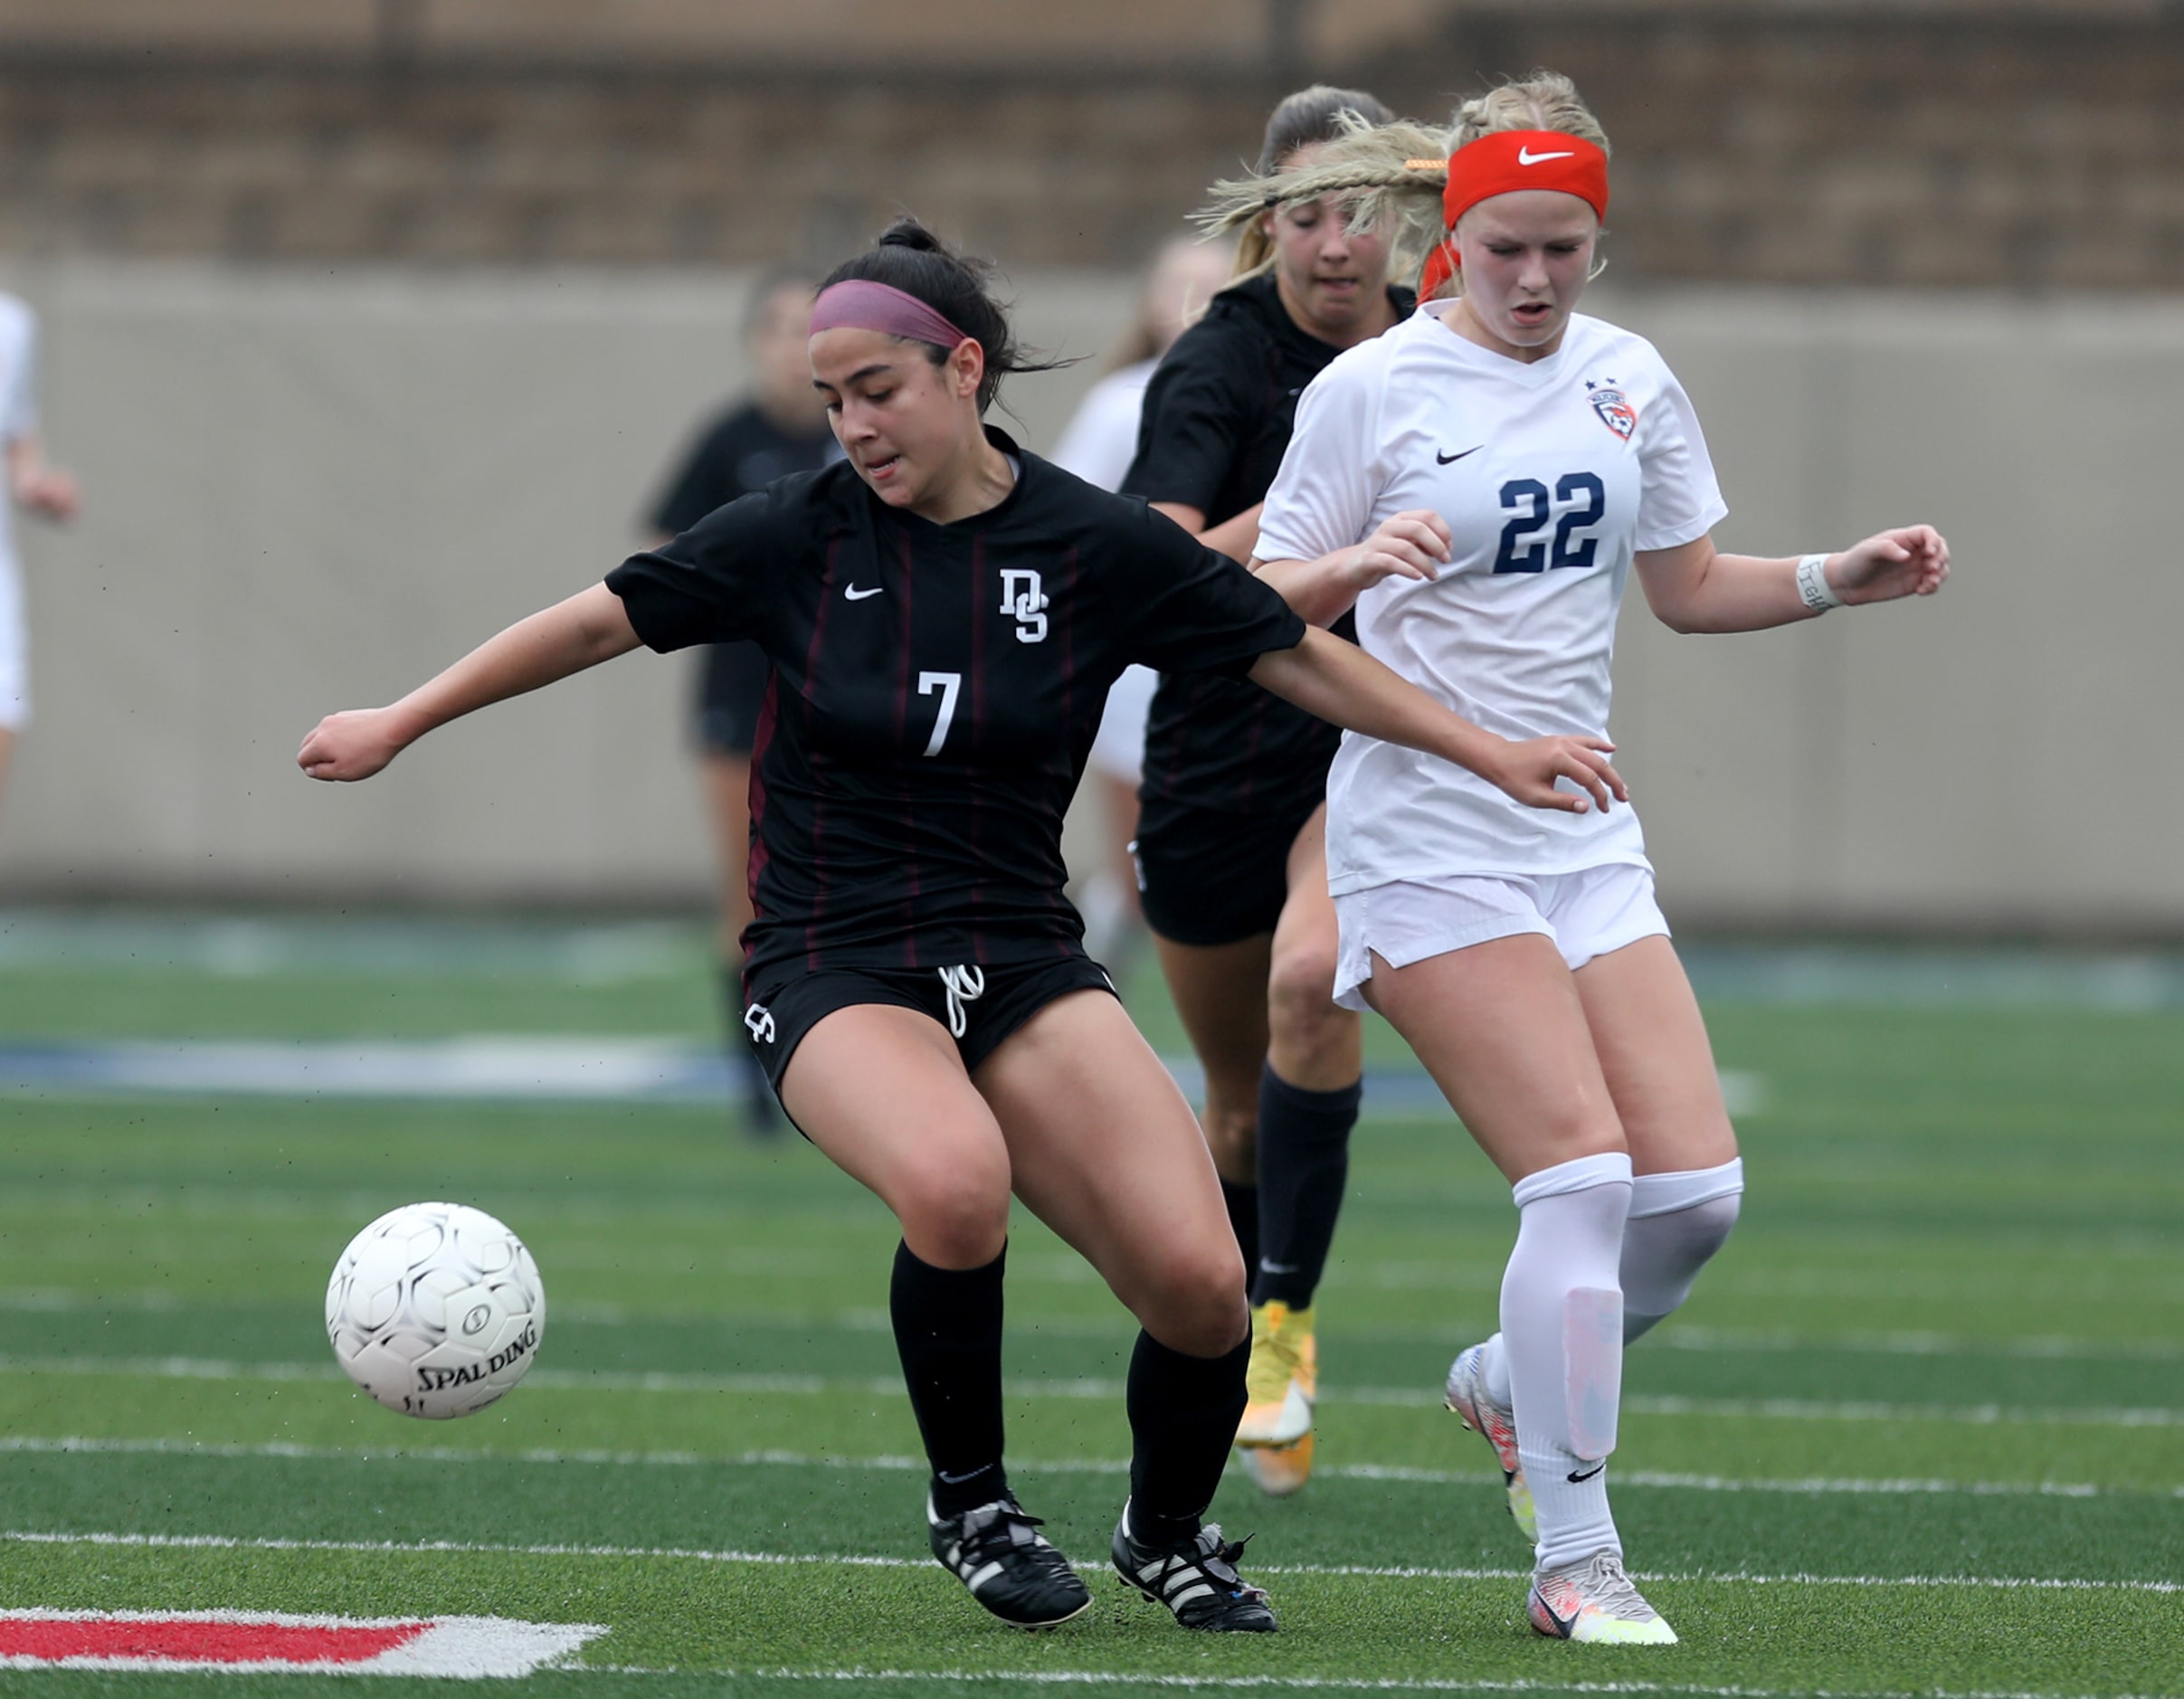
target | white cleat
[
  {"x": 1464, "y": 1393},
  {"x": 1595, "y": 1601}
]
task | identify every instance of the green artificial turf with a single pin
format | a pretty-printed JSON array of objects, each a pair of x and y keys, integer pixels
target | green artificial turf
[{"x": 1921, "y": 1430}]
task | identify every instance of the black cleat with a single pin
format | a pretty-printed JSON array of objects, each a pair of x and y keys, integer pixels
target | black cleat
[
  {"x": 1197, "y": 1581},
  {"x": 1009, "y": 1569}
]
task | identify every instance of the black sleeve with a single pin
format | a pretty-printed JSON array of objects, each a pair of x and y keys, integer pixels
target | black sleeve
[
  {"x": 1188, "y": 609},
  {"x": 1196, "y": 420},
  {"x": 711, "y": 583},
  {"x": 701, "y": 484}
]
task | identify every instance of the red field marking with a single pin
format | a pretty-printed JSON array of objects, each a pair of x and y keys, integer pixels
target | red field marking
[
  {"x": 217, "y": 1640},
  {"x": 193, "y": 1640}
]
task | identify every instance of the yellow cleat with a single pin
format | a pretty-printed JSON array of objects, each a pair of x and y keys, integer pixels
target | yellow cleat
[
  {"x": 1278, "y": 1471},
  {"x": 1282, "y": 1377}
]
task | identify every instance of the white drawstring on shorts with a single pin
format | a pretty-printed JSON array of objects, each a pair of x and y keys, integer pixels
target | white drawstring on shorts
[{"x": 966, "y": 985}]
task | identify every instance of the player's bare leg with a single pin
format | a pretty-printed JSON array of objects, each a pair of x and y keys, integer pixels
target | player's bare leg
[
  {"x": 1652, "y": 1043},
  {"x": 882, "y": 1091},
  {"x": 726, "y": 778},
  {"x": 1503, "y": 1030},
  {"x": 1220, "y": 996},
  {"x": 1104, "y": 1151},
  {"x": 1308, "y": 1097}
]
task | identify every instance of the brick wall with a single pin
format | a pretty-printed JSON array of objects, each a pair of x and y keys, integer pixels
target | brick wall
[{"x": 2027, "y": 145}]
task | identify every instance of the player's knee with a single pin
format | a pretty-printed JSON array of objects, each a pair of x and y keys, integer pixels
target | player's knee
[
  {"x": 1301, "y": 1010},
  {"x": 1194, "y": 1300},
  {"x": 953, "y": 1215}
]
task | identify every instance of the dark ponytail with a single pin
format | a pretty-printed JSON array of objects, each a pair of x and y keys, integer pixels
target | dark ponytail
[{"x": 912, "y": 259}]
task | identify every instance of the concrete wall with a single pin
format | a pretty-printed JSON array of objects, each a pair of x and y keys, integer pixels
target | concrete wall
[{"x": 306, "y": 490}]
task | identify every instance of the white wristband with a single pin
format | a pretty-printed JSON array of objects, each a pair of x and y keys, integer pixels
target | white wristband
[{"x": 1813, "y": 588}]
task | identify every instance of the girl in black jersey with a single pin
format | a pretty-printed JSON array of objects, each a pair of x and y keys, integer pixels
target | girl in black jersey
[
  {"x": 943, "y": 613},
  {"x": 1231, "y": 839}
]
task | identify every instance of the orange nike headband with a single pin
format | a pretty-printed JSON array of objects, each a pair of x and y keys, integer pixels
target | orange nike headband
[{"x": 1505, "y": 162}]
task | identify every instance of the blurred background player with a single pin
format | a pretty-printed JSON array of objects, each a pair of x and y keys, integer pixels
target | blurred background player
[
  {"x": 779, "y": 428},
  {"x": 1230, "y": 843},
  {"x": 36, "y": 486},
  {"x": 1521, "y": 952},
  {"x": 1098, "y": 444}
]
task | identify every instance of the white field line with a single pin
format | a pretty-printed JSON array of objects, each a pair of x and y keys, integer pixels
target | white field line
[
  {"x": 565, "y": 1380},
  {"x": 1675, "y": 1336},
  {"x": 1733, "y": 1578},
  {"x": 1812, "y": 1485},
  {"x": 1324, "y": 1683}
]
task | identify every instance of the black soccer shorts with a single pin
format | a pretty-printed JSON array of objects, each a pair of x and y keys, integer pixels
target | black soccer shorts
[
  {"x": 980, "y": 1006},
  {"x": 1208, "y": 877}
]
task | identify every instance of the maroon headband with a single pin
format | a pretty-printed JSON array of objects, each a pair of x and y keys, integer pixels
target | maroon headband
[{"x": 860, "y": 304}]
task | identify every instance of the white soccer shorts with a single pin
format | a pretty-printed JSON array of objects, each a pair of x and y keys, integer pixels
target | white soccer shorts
[{"x": 1585, "y": 914}]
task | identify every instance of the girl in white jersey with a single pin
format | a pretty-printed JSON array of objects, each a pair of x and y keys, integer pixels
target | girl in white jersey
[{"x": 1526, "y": 460}]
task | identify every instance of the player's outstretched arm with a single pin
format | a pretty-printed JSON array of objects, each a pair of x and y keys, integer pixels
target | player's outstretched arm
[
  {"x": 1411, "y": 545},
  {"x": 1692, "y": 588},
  {"x": 1339, "y": 682},
  {"x": 588, "y": 628}
]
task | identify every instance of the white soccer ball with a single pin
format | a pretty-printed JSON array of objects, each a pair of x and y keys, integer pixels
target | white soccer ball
[{"x": 435, "y": 1309}]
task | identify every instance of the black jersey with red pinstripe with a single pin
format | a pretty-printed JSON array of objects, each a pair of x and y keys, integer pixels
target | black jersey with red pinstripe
[
  {"x": 935, "y": 692},
  {"x": 1217, "y": 420}
]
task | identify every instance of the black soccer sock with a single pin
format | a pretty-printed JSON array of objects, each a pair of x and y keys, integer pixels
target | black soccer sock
[
  {"x": 1304, "y": 1165},
  {"x": 1243, "y": 1221},
  {"x": 947, "y": 1329},
  {"x": 1183, "y": 1412}
]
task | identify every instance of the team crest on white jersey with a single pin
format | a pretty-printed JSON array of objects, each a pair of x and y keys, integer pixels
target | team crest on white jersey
[
  {"x": 1022, "y": 596},
  {"x": 1613, "y": 406}
]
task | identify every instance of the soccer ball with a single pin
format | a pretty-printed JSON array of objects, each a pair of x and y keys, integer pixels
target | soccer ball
[{"x": 435, "y": 1309}]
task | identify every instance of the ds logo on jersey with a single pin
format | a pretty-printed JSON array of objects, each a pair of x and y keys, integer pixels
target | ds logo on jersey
[
  {"x": 1613, "y": 406},
  {"x": 1023, "y": 596}
]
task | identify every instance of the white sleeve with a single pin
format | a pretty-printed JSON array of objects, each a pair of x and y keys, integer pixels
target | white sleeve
[
  {"x": 1322, "y": 497},
  {"x": 18, "y": 385},
  {"x": 1678, "y": 500},
  {"x": 1100, "y": 440}
]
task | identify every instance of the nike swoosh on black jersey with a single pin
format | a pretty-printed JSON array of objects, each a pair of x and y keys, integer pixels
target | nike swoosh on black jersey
[{"x": 1447, "y": 459}]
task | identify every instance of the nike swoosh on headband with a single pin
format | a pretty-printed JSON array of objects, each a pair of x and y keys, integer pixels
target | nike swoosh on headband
[{"x": 1526, "y": 156}]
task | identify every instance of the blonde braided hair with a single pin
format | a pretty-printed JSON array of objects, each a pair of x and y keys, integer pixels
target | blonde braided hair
[{"x": 1391, "y": 175}]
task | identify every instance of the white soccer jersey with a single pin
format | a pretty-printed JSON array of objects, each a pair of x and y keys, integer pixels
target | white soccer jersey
[
  {"x": 1551, "y": 475},
  {"x": 18, "y": 418}
]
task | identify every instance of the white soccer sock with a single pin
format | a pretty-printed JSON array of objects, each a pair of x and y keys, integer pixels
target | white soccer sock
[
  {"x": 1677, "y": 1222},
  {"x": 1562, "y": 1334}
]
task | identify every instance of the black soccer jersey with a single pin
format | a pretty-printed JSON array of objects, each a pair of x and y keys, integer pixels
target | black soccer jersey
[
  {"x": 935, "y": 692},
  {"x": 1217, "y": 420},
  {"x": 739, "y": 451}
]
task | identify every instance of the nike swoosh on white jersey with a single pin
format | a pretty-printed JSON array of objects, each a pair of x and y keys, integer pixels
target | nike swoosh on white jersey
[
  {"x": 1526, "y": 156},
  {"x": 850, "y": 593}
]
